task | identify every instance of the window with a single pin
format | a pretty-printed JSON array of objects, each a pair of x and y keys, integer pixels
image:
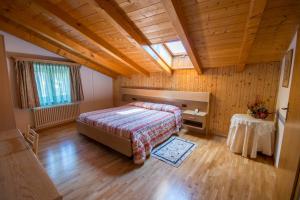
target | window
[
  {"x": 53, "y": 83},
  {"x": 163, "y": 53},
  {"x": 154, "y": 55},
  {"x": 176, "y": 48},
  {"x": 166, "y": 53}
]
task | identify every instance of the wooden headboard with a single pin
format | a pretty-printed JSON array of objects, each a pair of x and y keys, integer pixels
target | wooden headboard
[{"x": 183, "y": 99}]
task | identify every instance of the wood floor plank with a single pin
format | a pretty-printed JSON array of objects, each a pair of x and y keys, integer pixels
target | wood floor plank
[{"x": 84, "y": 169}]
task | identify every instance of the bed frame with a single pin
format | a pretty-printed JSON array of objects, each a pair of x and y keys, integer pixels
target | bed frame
[
  {"x": 115, "y": 142},
  {"x": 182, "y": 99}
]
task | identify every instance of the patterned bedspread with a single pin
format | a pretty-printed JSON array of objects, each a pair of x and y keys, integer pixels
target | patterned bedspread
[{"x": 146, "y": 124}]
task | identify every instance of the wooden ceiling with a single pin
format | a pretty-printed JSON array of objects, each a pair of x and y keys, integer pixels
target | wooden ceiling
[{"x": 111, "y": 35}]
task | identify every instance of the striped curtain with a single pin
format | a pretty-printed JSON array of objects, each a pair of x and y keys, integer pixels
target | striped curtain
[
  {"x": 53, "y": 83},
  {"x": 26, "y": 85},
  {"x": 76, "y": 85}
]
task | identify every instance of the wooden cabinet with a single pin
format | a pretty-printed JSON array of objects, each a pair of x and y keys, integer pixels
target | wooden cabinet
[{"x": 21, "y": 174}]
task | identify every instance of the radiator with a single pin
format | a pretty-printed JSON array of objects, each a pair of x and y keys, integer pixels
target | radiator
[{"x": 45, "y": 117}]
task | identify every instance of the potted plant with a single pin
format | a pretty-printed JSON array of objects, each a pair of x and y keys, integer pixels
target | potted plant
[{"x": 258, "y": 109}]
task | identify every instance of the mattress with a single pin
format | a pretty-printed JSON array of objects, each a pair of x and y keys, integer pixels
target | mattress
[{"x": 145, "y": 124}]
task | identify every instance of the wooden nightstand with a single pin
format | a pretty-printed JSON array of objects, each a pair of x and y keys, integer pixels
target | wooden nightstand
[{"x": 196, "y": 122}]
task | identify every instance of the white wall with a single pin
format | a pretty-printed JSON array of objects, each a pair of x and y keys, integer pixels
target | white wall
[
  {"x": 282, "y": 102},
  {"x": 97, "y": 88}
]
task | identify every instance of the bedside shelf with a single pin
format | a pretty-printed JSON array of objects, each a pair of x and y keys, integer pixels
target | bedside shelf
[
  {"x": 196, "y": 122},
  {"x": 193, "y": 123}
]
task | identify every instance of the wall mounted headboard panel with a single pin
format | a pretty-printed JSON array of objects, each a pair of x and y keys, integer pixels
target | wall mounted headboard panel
[
  {"x": 182, "y": 99},
  {"x": 168, "y": 94}
]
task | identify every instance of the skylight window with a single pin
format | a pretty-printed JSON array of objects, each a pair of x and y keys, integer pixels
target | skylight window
[
  {"x": 166, "y": 54},
  {"x": 176, "y": 48},
  {"x": 163, "y": 53}
]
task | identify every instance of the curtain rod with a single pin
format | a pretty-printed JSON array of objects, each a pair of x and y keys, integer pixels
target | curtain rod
[{"x": 44, "y": 60}]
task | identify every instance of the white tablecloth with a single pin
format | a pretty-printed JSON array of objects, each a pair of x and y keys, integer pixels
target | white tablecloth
[{"x": 248, "y": 135}]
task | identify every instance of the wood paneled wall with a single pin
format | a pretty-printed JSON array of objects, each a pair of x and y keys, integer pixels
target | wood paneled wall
[
  {"x": 7, "y": 117},
  {"x": 231, "y": 91}
]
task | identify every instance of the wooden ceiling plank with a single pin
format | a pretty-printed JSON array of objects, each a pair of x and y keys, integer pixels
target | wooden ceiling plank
[
  {"x": 256, "y": 11},
  {"x": 174, "y": 9},
  {"x": 29, "y": 36},
  {"x": 55, "y": 36},
  {"x": 88, "y": 34},
  {"x": 115, "y": 15}
]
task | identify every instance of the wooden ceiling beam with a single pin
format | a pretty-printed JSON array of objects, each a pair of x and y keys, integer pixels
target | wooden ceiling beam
[
  {"x": 177, "y": 17},
  {"x": 119, "y": 19},
  {"x": 19, "y": 31},
  {"x": 256, "y": 11},
  {"x": 118, "y": 16},
  {"x": 60, "y": 14},
  {"x": 57, "y": 37}
]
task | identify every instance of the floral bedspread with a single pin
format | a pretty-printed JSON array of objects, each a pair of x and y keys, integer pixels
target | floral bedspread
[{"x": 146, "y": 124}]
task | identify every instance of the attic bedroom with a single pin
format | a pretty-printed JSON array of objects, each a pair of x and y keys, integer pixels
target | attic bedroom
[{"x": 150, "y": 99}]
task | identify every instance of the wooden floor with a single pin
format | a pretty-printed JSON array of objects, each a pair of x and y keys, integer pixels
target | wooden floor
[{"x": 84, "y": 169}]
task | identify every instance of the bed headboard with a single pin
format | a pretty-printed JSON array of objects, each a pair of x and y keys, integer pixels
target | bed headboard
[{"x": 183, "y": 99}]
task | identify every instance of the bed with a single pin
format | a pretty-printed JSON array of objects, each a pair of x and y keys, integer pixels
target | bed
[{"x": 133, "y": 129}]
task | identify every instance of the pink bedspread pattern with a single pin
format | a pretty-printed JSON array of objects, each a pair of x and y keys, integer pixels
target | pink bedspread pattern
[{"x": 146, "y": 124}]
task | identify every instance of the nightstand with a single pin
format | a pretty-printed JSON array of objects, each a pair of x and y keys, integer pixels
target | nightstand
[{"x": 196, "y": 122}]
